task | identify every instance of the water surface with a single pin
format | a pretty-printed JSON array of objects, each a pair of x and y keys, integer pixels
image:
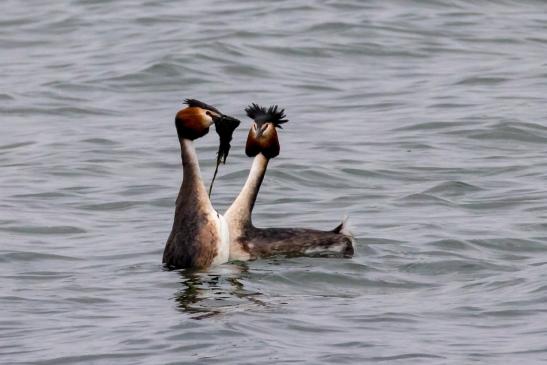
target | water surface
[{"x": 424, "y": 121}]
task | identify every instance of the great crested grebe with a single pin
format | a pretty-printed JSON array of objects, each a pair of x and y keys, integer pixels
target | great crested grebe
[
  {"x": 248, "y": 242},
  {"x": 200, "y": 236}
]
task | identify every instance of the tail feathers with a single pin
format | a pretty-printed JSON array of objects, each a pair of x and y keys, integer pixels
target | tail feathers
[{"x": 343, "y": 228}]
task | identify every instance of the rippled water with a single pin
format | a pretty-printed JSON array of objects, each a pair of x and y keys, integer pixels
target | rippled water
[{"x": 424, "y": 121}]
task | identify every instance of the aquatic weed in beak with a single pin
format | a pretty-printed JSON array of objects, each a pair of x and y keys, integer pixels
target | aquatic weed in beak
[{"x": 225, "y": 127}]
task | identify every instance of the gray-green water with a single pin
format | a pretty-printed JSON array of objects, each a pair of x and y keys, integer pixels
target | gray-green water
[{"x": 424, "y": 121}]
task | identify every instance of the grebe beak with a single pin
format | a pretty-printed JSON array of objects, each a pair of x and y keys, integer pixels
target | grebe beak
[
  {"x": 214, "y": 117},
  {"x": 260, "y": 131}
]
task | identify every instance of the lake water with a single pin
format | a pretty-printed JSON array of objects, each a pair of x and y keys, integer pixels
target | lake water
[{"x": 424, "y": 121}]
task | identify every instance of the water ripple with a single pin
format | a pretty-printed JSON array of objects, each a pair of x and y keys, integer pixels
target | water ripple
[{"x": 424, "y": 121}]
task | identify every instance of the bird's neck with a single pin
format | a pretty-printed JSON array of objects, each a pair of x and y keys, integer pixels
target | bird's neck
[
  {"x": 192, "y": 191},
  {"x": 239, "y": 213}
]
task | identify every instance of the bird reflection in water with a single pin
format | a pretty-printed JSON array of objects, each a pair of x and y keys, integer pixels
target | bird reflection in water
[{"x": 214, "y": 292}]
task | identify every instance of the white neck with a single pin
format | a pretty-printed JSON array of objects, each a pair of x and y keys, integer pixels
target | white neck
[
  {"x": 239, "y": 213},
  {"x": 197, "y": 228},
  {"x": 192, "y": 189}
]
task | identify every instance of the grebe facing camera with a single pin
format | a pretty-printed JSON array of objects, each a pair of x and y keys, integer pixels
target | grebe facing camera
[{"x": 248, "y": 242}]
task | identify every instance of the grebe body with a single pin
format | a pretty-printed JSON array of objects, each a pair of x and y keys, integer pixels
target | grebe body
[{"x": 200, "y": 236}]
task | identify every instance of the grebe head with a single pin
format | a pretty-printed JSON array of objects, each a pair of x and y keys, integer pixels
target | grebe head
[
  {"x": 194, "y": 121},
  {"x": 262, "y": 137}
]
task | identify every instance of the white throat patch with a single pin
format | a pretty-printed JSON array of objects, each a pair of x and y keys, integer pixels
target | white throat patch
[{"x": 223, "y": 248}]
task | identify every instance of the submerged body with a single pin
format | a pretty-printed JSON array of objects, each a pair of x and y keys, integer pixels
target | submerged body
[{"x": 248, "y": 242}]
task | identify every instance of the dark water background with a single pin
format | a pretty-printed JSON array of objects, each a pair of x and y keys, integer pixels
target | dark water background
[{"x": 424, "y": 121}]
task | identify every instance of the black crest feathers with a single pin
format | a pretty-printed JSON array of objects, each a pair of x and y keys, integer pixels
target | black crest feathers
[
  {"x": 201, "y": 104},
  {"x": 262, "y": 115}
]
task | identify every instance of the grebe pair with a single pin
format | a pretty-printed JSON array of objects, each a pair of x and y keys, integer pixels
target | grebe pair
[{"x": 201, "y": 237}]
